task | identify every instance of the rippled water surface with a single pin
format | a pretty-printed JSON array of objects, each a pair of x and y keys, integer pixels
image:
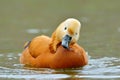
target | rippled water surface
[
  {"x": 22, "y": 20},
  {"x": 100, "y": 68}
]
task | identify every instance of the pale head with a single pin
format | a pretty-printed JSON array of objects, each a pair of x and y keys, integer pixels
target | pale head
[{"x": 70, "y": 27}]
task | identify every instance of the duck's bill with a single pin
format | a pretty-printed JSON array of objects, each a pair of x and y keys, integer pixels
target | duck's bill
[{"x": 66, "y": 41}]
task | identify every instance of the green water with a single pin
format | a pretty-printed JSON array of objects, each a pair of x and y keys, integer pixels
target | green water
[{"x": 22, "y": 20}]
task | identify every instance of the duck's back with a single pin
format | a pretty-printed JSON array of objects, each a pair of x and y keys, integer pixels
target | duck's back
[{"x": 39, "y": 45}]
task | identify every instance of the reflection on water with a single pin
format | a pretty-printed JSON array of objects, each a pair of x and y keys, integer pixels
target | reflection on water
[
  {"x": 106, "y": 67},
  {"x": 119, "y": 29},
  {"x": 35, "y": 31}
]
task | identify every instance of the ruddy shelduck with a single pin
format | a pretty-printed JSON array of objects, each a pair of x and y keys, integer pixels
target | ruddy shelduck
[{"x": 59, "y": 51}]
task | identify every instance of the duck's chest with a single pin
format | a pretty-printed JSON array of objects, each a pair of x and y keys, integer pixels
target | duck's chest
[{"x": 67, "y": 60}]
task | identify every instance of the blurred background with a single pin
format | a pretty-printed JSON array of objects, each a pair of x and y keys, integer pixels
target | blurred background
[{"x": 22, "y": 20}]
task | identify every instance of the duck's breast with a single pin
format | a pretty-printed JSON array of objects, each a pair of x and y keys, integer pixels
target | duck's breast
[{"x": 75, "y": 57}]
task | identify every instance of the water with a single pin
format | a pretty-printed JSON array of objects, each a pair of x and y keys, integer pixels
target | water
[
  {"x": 100, "y": 68},
  {"x": 22, "y": 20}
]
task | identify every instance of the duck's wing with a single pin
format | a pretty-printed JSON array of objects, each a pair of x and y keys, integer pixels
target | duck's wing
[
  {"x": 39, "y": 45},
  {"x": 27, "y": 44}
]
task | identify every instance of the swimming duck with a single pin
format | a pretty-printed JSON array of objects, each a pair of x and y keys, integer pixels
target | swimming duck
[{"x": 58, "y": 51}]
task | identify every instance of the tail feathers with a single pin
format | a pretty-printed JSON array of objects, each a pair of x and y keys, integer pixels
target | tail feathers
[{"x": 27, "y": 44}]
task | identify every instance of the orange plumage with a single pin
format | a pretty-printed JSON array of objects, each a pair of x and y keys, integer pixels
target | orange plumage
[{"x": 59, "y": 51}]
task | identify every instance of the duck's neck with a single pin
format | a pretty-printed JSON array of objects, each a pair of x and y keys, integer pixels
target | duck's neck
[{"x": 54, "y": 45}]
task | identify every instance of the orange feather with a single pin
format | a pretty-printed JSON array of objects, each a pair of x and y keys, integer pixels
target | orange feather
[{"x": 46, "y": 52}]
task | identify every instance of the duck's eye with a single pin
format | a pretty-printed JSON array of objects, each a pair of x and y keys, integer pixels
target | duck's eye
[
  {"x": 65, "y": 28},
  {"x": 76, "y": 33}
]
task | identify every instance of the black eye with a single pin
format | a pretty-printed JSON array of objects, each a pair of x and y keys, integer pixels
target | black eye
[
  {"x": 65, "y": 28},
  {"x": 75, "y": 33}
]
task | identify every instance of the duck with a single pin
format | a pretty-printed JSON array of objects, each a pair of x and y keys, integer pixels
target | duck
[{"x": 58, "y": 51}]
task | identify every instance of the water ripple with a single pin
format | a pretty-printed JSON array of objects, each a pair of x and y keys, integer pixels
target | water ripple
[
  {"x": 35, "y": 31},
  {"x": 105, "y": 67}
]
